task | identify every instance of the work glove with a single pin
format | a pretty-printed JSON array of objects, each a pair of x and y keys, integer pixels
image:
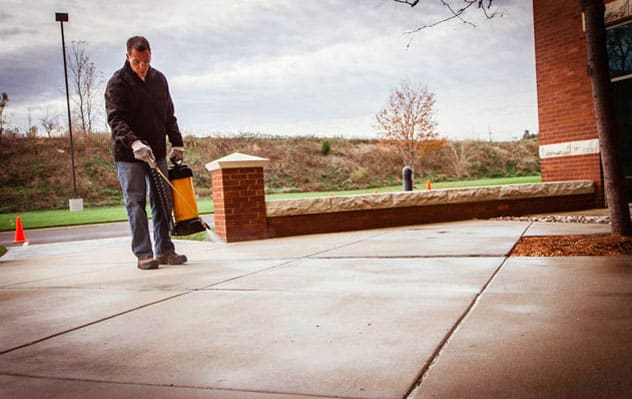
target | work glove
[
  {"x": 144, "y": 153},
  {"x": 176, "y": 155}
]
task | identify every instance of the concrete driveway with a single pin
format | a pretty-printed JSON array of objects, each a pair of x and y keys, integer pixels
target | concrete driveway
[{"x": 432, "y": 311}]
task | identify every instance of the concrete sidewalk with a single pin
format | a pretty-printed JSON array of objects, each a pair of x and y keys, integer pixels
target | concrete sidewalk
[{"x": 432, "y": 311}]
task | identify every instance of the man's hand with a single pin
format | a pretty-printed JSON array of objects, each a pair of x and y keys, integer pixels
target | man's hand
[
  {"x": 144, "y": 153},
  {"x": 176, "y": 155}
]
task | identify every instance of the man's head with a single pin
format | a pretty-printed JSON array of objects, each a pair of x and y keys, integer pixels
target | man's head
[{"x": 139, "y": 55}]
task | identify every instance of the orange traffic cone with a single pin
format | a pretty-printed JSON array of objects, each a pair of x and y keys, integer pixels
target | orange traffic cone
[
  {"x": 428, "y": 185},
  {"x": 19, "y": 231}
]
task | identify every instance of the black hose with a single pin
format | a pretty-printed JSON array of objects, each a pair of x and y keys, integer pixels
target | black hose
[{"x": 159, "y": 187}]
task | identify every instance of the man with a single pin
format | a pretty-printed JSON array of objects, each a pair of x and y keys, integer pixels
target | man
[{"x": 141, "y": 115}]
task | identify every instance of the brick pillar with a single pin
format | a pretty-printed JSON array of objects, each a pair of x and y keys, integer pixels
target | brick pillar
[{"x": 238, "y": 197}]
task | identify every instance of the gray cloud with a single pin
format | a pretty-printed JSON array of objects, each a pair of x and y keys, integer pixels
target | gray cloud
[
  {"x": 7, "y": 32},
  {"x": 25, "y": 76}
]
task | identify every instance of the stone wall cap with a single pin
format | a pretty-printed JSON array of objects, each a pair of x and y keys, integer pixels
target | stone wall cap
[
  {"x": 237, "y": 160},
  {"x": 360, "y": 202}
]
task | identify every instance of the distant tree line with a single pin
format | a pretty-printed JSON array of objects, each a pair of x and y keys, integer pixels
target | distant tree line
[{"x": 39, "y": 178}]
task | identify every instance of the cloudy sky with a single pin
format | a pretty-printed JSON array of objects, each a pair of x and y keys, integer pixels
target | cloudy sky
[{"x": 285, "y": 67}]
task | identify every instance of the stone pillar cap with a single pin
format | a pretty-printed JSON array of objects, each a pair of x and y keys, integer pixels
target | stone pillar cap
[{"x": 237, "y": 160}]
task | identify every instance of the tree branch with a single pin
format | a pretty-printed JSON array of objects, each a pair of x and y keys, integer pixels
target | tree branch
[
  {"x": 411, "y": 3},
  {"x": 455, "y": 13}
]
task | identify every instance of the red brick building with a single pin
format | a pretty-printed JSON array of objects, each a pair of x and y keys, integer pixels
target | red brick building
[{"x": 569, "y": 144}]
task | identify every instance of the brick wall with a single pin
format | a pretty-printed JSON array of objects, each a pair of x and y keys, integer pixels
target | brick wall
[
  {"x": 239, "y": 202},
  {"x": 565, "y": 105},
  {"x": 577, "y": 167},
  {"x": 282, "y": 226}
]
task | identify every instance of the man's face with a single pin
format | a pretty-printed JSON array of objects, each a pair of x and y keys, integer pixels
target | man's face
[{"x": 139, "y": 61}]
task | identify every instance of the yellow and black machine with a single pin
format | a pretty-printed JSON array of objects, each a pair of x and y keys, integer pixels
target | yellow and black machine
[{"x": 185, "y": 210}]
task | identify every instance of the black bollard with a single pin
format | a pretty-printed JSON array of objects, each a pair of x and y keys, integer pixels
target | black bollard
[{"x": 407, "y": 178}]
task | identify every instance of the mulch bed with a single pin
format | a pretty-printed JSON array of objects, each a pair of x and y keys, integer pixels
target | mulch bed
[{"x": 573, "y": 245}]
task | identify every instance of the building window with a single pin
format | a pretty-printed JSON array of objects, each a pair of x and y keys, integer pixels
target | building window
[{"x": 619, "y": 43}]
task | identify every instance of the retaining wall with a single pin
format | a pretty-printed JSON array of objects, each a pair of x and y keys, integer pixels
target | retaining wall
[{"x": 357, "y": 212}]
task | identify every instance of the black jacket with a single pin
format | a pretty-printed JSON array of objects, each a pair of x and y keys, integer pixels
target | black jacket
[{"x": 138, "y": 110}]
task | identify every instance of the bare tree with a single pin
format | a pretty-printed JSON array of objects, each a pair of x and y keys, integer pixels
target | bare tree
[
  {"x": 50, "y": 123},
  {"x": 460, "y": 158},
  {"x": 85, "y": 84},
  {"x": 407, "y": 122},
  {"x": 4, "y": 100}
]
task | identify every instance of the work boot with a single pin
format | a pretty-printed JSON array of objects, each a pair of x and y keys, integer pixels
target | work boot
[
  {"x": 147, "y": 264},
  {"x": 172, "y": 259}
]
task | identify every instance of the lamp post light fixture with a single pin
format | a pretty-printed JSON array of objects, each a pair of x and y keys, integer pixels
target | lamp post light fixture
[{"x": 75, "y": 204}]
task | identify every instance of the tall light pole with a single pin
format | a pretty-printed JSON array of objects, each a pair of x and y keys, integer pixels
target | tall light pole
[{"x": 75, "y": 204}]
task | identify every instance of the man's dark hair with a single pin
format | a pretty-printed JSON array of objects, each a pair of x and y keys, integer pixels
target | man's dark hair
[{"x": 137, "y": 43}]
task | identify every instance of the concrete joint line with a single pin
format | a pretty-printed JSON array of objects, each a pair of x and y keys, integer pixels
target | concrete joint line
[
  {"x": 446, "y": 339},
  {"x": 287, "y": 262},
  {"x": 521, "y": 235},
  {"x": 17, "y": 285},
  {"x": 283, "y": 264},
  {"x": 437, "y": 352},
  {"x": 315, "y": 254},
  {"x": 206, "y": 388},
  {"x": 92, "y": 323}
]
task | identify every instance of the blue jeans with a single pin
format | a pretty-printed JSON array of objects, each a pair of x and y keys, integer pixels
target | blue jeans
[{"x": 135, "y": 180}]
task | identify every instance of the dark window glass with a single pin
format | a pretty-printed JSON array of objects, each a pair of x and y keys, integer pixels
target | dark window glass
[{"x": 619, "y": 42}]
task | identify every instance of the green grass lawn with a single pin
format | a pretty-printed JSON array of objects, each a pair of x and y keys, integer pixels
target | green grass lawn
[{"x": 62, "y": 217}]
